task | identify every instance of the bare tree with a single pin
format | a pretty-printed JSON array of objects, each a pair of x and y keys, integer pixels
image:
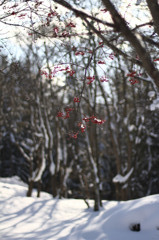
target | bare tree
[{"x": 135, "y": 38}]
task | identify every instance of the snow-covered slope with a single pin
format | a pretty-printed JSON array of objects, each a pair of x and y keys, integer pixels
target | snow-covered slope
[{"x": 67, "y": 219}]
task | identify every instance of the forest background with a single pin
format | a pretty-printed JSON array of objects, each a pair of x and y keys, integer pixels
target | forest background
[{"x": 79, "y": 97}]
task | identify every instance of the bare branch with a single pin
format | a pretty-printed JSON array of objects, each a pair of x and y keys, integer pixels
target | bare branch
[
  {"x": 122, "y": 26},
  {"x": 154, "y": 9},
  {"x": 82, "y": 14},
  {"x": 114, "y": 48}
]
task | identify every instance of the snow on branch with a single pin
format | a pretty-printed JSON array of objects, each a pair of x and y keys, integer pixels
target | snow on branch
[
  {"x": 52, "y": 168},
  {"x": 40, "y": 171},
  {"x": 155, "y": 104},
  {"x": 43, "y": 125},
  {"x": 122, "y": 179},
  {"x": 28, "y": 158}
]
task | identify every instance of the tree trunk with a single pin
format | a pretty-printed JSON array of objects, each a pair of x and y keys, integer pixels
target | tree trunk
[
  {"x": 39, "y": 188},
  {"x": 117, "y": 191},
  {"x": 97, "y": 199},
  {"x": 30, "y": 189},
  {"x": 54, "y": 184}
]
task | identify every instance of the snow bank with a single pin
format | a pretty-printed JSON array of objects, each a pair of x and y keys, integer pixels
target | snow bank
[{"x": 68, "y": 219}]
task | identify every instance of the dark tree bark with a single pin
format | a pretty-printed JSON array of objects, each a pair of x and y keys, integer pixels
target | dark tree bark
[{"x": 30, "y": 188}]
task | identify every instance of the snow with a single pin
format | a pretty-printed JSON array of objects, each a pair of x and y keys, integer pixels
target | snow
[
  {"x": 122, "y": 179},
  {"x": 151, "y": 94},
  {"x": 140, "y": 127},
  {"x": 137, "y": 140},
  {"x": 149, "y": 141},
  {"x": 131, "y": 128},
  {"x": 93, "y": 163},
  {"x": 152, "y": 107},
  {"x": 27, "y": 157},
  {"x": 153, "y": 135},
  {"x": 68, "y": 171},
  {"x": 27, "y": 147},
  {"x": 68, "y": 219},
  {"x": 64, "y": 152},
  {"x": 12, "y": 138},
  {"x": 155, "y": 105},
  {"x": 43, "y": 125},
  {"x": 40, "y": 171},
  {"x": 59, "y": 151},
  {"x": 126, "y": 120},
  {"x": 52, "y": 168},
  {"x": 40, "y": 135}
]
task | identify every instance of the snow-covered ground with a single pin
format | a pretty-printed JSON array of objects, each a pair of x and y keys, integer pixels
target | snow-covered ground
[{"x": 68, "y": 219}]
